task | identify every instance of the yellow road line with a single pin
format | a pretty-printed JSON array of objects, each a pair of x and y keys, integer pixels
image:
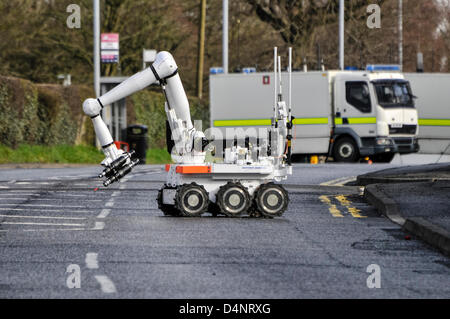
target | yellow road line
[
  {"x": 332, "y": 208},
  {"x": 347, "y": 204}
]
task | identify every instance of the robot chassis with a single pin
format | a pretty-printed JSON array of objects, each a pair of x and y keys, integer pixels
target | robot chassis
[{"x": 242, "y": 184}]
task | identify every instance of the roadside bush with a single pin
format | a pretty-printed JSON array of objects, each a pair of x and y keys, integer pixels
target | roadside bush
[{"x": 42, "y": 114}]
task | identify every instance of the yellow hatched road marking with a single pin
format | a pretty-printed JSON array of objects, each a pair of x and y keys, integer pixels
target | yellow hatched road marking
[
  {"x": 347, "y": 204},
  {"x": 332, "y": 208}
]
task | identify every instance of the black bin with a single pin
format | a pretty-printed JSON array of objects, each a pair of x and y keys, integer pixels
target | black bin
[{"x": 138, "y": 141}]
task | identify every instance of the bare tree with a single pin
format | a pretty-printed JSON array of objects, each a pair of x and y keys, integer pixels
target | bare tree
[{"x": 296, "y": 19}]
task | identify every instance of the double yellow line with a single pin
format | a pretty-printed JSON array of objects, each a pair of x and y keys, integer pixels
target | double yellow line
[{"x": 343, "y": 200}]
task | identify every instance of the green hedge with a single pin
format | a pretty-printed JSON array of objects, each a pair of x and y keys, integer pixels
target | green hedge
[
  {"x": 42, "y": 114},
  {"x": 40, "y": 123}
]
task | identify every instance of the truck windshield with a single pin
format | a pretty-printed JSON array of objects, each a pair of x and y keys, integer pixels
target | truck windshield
[{"x": 394, "y": 94}]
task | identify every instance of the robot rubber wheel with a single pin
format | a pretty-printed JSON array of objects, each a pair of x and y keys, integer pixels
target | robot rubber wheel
[
  {"x": 233, "y": 199},
  {"x": 272, "y": 200},
  {"x": 192, "y": 200},
  {"x": 168, "y": 210}
]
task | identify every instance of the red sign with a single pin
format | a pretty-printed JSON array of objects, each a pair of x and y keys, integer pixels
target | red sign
[
  {"x": 110, "y": 41},
  {"x": 110, "y": 47},
  {"x": 266, "y": 80}
]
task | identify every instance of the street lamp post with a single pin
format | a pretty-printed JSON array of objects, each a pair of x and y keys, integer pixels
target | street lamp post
[
  {"x": 341, "y": 35},
  {"x": 97, "y": 47},
  {"x": 225, "y": 37},
  {"x": 400, "y": 34}
]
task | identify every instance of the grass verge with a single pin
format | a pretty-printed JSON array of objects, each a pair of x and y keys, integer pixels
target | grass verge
[
  {"x": 66, "y": 154},
  {"x": 158, "y": 156}
]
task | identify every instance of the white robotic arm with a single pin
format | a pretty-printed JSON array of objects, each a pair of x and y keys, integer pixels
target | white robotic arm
[{"x": 163, "y": 71}]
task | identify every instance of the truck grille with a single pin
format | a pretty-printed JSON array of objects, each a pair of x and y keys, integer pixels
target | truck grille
[
  {"x": 406, "y": 129},
  {"x": 403, "y": 141},
  {"x": 404, "y": 149}
]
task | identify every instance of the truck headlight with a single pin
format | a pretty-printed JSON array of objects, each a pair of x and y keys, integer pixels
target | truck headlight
[{"x": 384, "y": 141}]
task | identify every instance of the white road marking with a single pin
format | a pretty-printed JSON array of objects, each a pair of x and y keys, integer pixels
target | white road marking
[
  {"x": 42, "y": 217},
  {"x": 20, "y": 190},
  {"x": 99, "y": 226},
  {"x": 116, "y": 193},
  {"x": 4, "y": 187},
  {"x": 124, "y": 180},
  {"x": 104, "y": 213},
  {"x": 50, "y": 229},
  {"x": 29, "y": 183},
  {"x": 106, "y": 284},
  {"x": 42, "y": 205},
  {"x": 110, "y": 203},
  {"x": 70, "y": 177},
  {"x": 12, "y": 181},
  {"x": 91, "y": 260},
  {"x": 44, "y": 210},
  {"x": 42, "y": 224},
  {"x": 46, "y": 199},
  {"x": 339, "y": 181},
  {"x": 15, "y": 194}
]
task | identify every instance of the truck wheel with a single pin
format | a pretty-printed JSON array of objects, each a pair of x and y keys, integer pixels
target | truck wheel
[
  {"x": 168, "y": 210},
  {"x": 192, "y": 200},
  {"x": 345, "y": 150},
  {"x": 233, "y": 199},
  {"x": 272, "y": 200}
]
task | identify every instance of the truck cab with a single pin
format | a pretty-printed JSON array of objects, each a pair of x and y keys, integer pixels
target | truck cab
[{"x": 374, "y": 115}]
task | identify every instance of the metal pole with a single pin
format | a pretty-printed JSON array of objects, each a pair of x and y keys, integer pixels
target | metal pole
[
  {"x": 341, "y": 35},
  {"x": 280, "y": 94},
  {"x": 201, "y": 49},
  {"x": 97, "y": 47},
  {"x": 225, "y": 37},
  {"x": 290, "y": 83},
  {"x": 289, "y": 125},
  {"x": 400, "y": 34},
  {"x": 275, "y": 83}
]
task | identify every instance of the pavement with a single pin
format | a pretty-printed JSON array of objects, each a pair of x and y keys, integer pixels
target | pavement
[
  {"x": 420, "y": 159},
  {"x": 407, "y": 174},
  {"x": 415, "y": 197},
  {"x": 62, "y": 235}
]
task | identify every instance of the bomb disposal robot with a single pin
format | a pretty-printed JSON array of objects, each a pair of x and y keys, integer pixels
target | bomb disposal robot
[{"x": 242, "y": 184}]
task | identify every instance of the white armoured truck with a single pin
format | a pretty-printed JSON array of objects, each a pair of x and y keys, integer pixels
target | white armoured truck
[{"x": 343, "y": 114}]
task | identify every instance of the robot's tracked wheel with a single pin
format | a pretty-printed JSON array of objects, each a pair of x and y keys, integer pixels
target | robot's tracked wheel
[
  {"x": 272, "y": 200},
  {"x": 168, "y": 210},
  {"x": 192, "y": 200},
  {"x": 233, "y": 199}
]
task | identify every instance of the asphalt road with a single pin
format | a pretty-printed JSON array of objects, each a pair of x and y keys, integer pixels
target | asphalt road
[{"x": 53, "y": 220}]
